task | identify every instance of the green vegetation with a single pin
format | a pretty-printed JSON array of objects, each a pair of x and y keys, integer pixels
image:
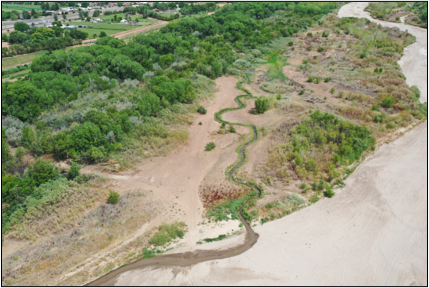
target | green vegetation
[
  {"x": 219, "y": 238},
  {"x": 261, "y": 105},
  {"x": 342, "y": 143},
  {"x": 210, "y": 146},
  {"x": 113, "y": 197},
  {"x": 201, "y": 110},
  {"x": 167, "y": 232}
]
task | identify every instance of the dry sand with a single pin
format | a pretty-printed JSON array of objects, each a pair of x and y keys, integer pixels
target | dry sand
[{"x": 373, "y": 232}]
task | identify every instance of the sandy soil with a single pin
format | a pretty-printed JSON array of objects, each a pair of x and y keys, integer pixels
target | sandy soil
[
  {"x": 414, "y": 63},
  {"x": 175, "y": 179},
  {"x": 373, "y": 232}
]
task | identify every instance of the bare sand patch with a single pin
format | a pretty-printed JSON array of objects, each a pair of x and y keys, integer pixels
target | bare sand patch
[{"x": 373, "y": 232}]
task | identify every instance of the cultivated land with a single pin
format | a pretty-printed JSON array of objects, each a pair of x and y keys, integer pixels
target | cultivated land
[{"x": 373, "y": 232}]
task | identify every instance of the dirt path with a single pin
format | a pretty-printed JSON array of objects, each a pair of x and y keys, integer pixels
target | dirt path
[{"x": 133, "y": 32}]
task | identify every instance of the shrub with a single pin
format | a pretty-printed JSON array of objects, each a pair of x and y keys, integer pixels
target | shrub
[
  {"x": 328, "y": 192},
  {"x": 261, "y": 104},
  {"x": 113, "y": 197},
  {"x": 301, "y": 92},
  {"x": 327, "y": 79},
  {"x": 310, "y": 79},
  {"x": 201, "y": 110},
  {"x": 376, "y": 70},
  {"x": 290, "y": 43},
  {"x": 200, "y": 123},
  {"x": 232, "y": 129},
  {"x": 279, "y": 97},
  {"x": 317, "y": 80},
  {"x": 387, "y": 102},
  {"x": 210, "y": 146},
  {"x": 310, "y": 34},
  {"x": 320, "y": 49},
  {"x": 340, "y": 94},
  {"x": 332, "y": 90},
  {"x": 73, "y": 171},
  {"x": 309, "y": 48},
  {"x": 325, "y": 34},
  {"x": 295, "y": 199}
]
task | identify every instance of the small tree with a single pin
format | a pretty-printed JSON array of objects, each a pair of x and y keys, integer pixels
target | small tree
[
  {"x": 376, "y": 70},
  {"x": 201, "y": 110},
  {"x": 102, "y": 34},
  {"x": 261, "y": 105},
  {"x": 113, "y": 197},
  {"x": 55, "y": 17},
  {"x": 64, "y": 16},
  {"x": 73, "y": 171},
  {"x": 328, "y": 192},
  {"x": 232, "y": 129},
  {"x": 210, "y": 146},
  {"x": 332, "y": 90}
]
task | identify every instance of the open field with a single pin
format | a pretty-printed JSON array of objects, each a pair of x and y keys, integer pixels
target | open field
[
  {"x": 19, "y": 7},
  {"x": 21, "y": 59}
]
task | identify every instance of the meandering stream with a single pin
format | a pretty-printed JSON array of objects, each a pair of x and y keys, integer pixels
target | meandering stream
[
  {"x": 414, "y": 65},
  {"x": 189, "y": 258}
]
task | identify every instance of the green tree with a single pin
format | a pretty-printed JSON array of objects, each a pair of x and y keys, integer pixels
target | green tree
[
  {"x": 28, "y": 138},
  {"x": 102, "y": 34},
  {"x": 86, "y": 135},
  {"x": 261, "y": 104},
  {"x": 4, "y": 37},
  {"x": 21, "y": 26},
  {"x": 41, "y": 172},
  {"x": 23, "y": 100},
  {"x": 149, "y": 105},
  {"x": 73, "y": 171}
]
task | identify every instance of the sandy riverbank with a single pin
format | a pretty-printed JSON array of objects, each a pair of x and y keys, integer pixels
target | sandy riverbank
[{"x": 373, "y": 232}]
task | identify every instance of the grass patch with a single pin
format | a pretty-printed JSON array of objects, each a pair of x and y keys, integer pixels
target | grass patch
[
  {"x": 21, "y": 59},
  {"x": 277, "y": 62},
  {"x": 167, "y": 232}
]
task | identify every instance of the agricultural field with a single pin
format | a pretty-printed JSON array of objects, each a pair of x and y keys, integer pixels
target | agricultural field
[
  {"x": 205, "y": 134},
  {"x": 98, "y": 27},
  {"x": 18, "y": 7},
  {"x": 21, "y": 59}
]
